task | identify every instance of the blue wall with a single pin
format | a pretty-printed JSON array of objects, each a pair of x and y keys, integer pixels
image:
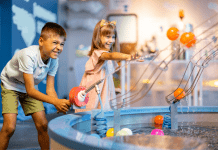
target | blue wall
[
  {"x": 5, "y": 39},
  {"x": 21, "y": 23}
]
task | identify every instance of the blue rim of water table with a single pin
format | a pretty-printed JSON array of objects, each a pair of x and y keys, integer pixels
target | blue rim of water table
[{"x": 60, "y": 129}]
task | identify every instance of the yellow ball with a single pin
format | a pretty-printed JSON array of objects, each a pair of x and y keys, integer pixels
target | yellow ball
[{"x": 110, "y": 132}]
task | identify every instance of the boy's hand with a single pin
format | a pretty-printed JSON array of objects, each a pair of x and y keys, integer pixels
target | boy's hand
[{"x": 62, "y": 105}]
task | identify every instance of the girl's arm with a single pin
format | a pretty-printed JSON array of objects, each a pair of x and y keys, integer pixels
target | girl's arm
[{"x": 115, "y": 56}]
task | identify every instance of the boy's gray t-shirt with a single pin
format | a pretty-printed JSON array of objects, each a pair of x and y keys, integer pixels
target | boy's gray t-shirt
[{"x": 27, "y": 60}]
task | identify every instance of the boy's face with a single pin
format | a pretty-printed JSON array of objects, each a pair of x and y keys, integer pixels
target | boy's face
[{"x": 52, "y": 47}]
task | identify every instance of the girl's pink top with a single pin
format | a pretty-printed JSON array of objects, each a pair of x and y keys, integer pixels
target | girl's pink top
[{"x": 96, "y": 69}]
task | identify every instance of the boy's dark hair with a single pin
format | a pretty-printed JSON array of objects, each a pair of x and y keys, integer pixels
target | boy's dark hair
[{"x": 51, "y": 28}]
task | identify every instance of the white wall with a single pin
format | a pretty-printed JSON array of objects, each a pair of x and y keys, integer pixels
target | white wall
[{"x": 151, "y": 16}]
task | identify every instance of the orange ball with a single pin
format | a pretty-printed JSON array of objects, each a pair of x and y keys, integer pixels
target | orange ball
[
  {"x": 179, "y": 93},
  {"x": 158, "y": 119},
  {"x": 158, "y": 126},
  {"x": 191, "y": 40},
  {"x": 188, "y": 39},
  {"x": 172, "y": 33},
  {"x": 184, "y": 38}
]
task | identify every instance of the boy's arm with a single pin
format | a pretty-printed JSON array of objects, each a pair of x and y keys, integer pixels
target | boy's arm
[
  {"x": 62, "y": 105},
  {"x": 50, "y": 90},
  {"x": 115, "y": 56}
]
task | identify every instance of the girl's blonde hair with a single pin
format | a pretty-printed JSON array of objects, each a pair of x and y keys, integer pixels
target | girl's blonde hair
[{"x": 99, "y": 31}]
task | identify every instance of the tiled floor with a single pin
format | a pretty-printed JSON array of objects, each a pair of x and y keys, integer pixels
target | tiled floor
[{"x": 25, "y": 136}]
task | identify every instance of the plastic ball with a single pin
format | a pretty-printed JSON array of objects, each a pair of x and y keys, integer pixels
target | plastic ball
[
  {"x": 173, "y": 33},
  {"x": 110, "y": 132},
  {"x": 157, "y": 132},
  {"x": 158, "y": 126},
  {"x": 179, "y": 93},
  {"x": 121, "y": 133},
  {"x": 158, "y": 119},
  {"x": 127, "y": 130},
  {"x": 184, "y": 38},
  {"x": 191, "y": 40},
  {"x": 188, "y": 39}
]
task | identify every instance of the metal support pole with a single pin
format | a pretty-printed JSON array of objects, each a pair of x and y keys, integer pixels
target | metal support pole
[
  {"x": 123, "y": 81},
  {"x": 117, "y": 121},
  {"x": 128, "y": 83},
  {"x": 174, "y": 114}
]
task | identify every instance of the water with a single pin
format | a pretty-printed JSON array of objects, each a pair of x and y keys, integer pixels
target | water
[{"x": 204, "y": 131}]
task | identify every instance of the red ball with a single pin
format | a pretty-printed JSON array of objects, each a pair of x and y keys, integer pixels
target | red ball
[
  {"x": 179, "y": 93},
  {"x": 172, "y": 33},
  {"x": 158, "y": 119}
]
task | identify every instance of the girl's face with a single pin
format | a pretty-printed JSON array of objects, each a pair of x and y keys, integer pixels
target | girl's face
[{"x": 107, "y": 41}]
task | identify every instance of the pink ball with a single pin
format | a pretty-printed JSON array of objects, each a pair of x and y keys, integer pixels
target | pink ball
[{"x": 157, "y": 132}]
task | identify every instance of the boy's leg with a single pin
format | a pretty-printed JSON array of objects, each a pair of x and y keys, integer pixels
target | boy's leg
[
  {"x": 41, "y": 123},
  {"x": 7, "y": 130}
]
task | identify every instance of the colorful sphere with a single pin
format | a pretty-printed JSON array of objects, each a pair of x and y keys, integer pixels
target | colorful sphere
[
  {"x": 121, "y": 133},
  {"x": 172, "y": 33},
  {"x": 158, "y": 126},
  {"x": 188, "y": 39},
  {"x": 157, "y": 132},
  {"x": 192, "y": 40},
  {"x": 184, "y": 38},
  {"x": 110, "y": 132},
  {"x": 179, "y": 93},
  {"x": 158, "y": 119},
  {"x": 127, "y": 130}
]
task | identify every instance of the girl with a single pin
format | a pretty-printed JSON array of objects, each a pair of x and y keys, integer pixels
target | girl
[{"x": 104, "y": 49}]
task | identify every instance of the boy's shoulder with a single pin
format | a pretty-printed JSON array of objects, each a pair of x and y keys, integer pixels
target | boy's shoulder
[
  {"x": 31, "y": 50},
  {"x": 32, "y": 47}
]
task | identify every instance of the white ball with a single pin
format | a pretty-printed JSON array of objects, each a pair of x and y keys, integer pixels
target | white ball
[
  {"x": 121, "y": 133},
  {"x": 127, "y": 130}
]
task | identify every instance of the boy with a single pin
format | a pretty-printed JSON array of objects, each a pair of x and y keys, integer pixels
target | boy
[{"x": 19, "y": 80}]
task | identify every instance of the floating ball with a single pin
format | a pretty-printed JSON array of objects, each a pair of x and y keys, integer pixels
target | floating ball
[
  {"x": 157, "y": 132},
  {"x": 172, "y": 33},
  {"x": 179, "y": 93},
  {"x": 127, "y": 130},
  {"x": 122, "y": 133},
  {"x": 110, "y": 132},
  {"x": 188, "y": 39},
  {"x": 158, "y": 119},
  {"x": 158, "y": 126}
]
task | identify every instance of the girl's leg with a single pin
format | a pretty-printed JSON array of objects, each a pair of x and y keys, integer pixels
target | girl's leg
[
  {"x": 41, "y": 124},
  {"x": 8, "y": 128}
]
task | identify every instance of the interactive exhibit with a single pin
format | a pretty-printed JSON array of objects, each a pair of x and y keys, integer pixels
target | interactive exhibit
[{"x": 156, "y": 127}]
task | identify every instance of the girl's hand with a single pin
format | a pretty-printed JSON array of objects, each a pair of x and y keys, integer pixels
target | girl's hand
[
  {"x": 129, "y": 57},
  {"x": 134, "y": 56}
]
